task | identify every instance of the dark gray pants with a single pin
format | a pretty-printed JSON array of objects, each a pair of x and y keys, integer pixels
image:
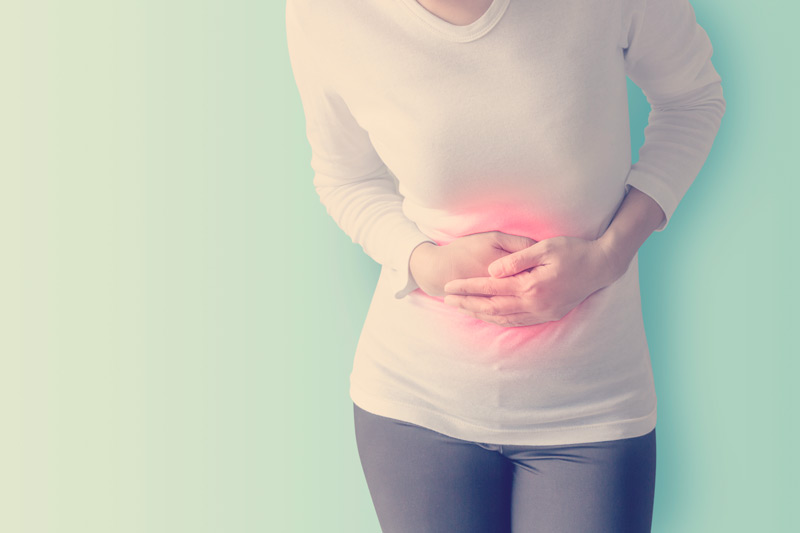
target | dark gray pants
[{"x": 422, "y": 481}]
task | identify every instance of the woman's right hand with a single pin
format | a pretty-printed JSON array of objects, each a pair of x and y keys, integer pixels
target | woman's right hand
[{"x": 469, "y": 256}]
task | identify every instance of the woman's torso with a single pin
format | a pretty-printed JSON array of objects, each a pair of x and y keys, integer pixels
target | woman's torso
[{"x": 516, "y": 123}]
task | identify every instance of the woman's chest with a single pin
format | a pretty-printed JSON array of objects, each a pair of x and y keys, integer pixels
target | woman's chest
[{"x": 537, "y": 106}]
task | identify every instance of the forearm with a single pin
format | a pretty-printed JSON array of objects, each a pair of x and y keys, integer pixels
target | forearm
[{"x": 636, "y": 219}]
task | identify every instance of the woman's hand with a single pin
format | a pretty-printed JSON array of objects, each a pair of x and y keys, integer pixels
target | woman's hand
[
  {"x": 466, "y": 257},
  {"x": 540, "y": 283}
]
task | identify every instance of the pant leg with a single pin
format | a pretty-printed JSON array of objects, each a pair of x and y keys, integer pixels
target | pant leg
[
  {"x": 422, "y": 481},
  {"x": 603, "y": 487}
]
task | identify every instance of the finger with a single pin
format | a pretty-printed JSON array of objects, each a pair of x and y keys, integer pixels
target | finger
[
  {"x": 516, "y": 262},
  {"x": 485, "y": 286},
  {"x": 487, "y": 305},
  {"x": 513, "y": 243},
  {"x": 508, "y": 321},
  {"x": 466, "y": 312}
]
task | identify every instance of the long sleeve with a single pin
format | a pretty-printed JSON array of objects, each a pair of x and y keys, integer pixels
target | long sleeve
[
  {"x": 355, "y": 186},
  {"x": 668, "y": 55}
]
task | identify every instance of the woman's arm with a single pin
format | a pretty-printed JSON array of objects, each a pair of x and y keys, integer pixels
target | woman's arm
[
  {"x": 668, "y": 55},
  {"x": 564, "y": 270},
  {"x": 636, "y": 219},
  {"x": 358, "y": 190},
  {"x": 352, "y": 182}
]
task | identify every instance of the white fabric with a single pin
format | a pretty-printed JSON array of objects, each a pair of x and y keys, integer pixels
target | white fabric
[{"x": 422, "y": 130}]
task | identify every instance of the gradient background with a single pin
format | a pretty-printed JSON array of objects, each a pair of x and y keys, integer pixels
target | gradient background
[{"x": 178, "y": 313}]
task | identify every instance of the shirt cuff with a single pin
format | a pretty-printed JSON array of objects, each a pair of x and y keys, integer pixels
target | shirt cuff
[
  {"x": 403, "y": 281},
  {"x": 655, "y": 189}
]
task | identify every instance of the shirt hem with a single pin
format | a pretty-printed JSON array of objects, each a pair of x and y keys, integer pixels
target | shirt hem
[{"x": 462, "y": 430}]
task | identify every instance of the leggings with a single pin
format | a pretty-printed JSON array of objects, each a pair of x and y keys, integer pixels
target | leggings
[{"x": 422, "y": 481}]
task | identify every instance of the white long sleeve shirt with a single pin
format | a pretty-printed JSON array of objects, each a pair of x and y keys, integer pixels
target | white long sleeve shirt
[{"x": 421, "y": 130}]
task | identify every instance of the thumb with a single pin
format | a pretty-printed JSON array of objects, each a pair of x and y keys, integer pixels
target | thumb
[
  {"x": 513, "y": 243},
  {"x": 515, "y": 263}
]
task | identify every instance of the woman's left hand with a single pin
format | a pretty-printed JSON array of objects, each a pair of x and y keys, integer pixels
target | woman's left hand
[{"x": 540, "y": 283}]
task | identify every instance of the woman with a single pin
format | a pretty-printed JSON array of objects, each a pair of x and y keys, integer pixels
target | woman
[{"x": 480, "y": 152}]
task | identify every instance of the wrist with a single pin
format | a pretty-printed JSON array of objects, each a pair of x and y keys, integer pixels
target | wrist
[
  {"x": 617, "y": 253},
  {"x": 421, "y": 254},
  {"x": 637, "y": 217}
]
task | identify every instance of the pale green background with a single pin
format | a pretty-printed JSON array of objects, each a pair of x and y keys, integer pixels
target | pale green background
[{"x": 178, "y": 313}]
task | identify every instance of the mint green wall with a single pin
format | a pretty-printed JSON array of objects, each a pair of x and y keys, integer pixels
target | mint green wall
[{"x": 178, "y": 313}]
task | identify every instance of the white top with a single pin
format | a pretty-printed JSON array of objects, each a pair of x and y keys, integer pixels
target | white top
[{"x": 421, "y": 130}]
